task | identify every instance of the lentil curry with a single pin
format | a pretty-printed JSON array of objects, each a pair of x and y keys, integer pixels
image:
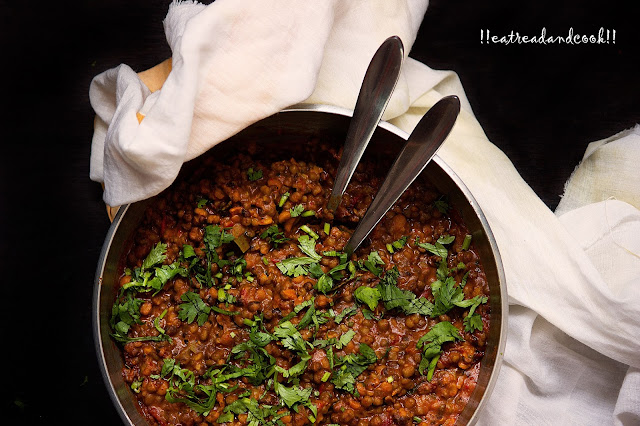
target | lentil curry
[{"x": 237, "y": 306}]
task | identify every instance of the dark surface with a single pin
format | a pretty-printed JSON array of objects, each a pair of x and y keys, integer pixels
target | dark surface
[{"x": 540, "y": 104}]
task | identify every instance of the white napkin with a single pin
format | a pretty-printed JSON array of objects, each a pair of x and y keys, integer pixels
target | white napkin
[{"x": 573, "y": 353}]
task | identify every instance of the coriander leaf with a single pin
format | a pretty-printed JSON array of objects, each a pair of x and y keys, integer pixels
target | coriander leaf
[
  {"x": 465, "y": 277},
  {"x": 340, "y": 255},
  {"x": 167, "y": 367},
  {"x": 126, "y": 312},
  {"x": 346, "y": 312},
  {"x": 475, "y": 302},
  {"x": 315, "y": 270},
  {"x": 168, "y": 272},
  {"x": 446, "y": 239},
  {"x": 254, "y": 175},
  {"x": 352, "y": 366},
  {"x": 441, "y": 205},
  {"x": 291, "y": 396},
  {"x": 323, "y": 343},
  {"x": 432, "y": 367},
  {"x": 431, "y": 343},
  {"x": 345, "y": 339},
  {"x": 472, "y": 322},
  {"x": 274, "y": 236},
  {"x": 296, "y": 369},
  {"x": 214, "y": 237},
  {"x": 308, "y": 247},
  {"x": 223, "y": 311},
  {"x": 296, "y": 310},
  {"x": 295, "y": 266},
  {"x": 420, "y": 305},
  {"x": 446, "y": 295},
  {"x": 372, "y": 261},
  {"x": 202, "y": 202},
  {"x": 334, "y": 272},
  {"x": 367, "y": 295},
  {"x": 438, "y": 249},
  {"x": 343, "y": 379},
  {"x": 308, "y": 318},
  {"x": 443, "y": 270},
  {"x": 193, "y": 308},
  {"x": 188, "y": 252},
  {"x": 324, "y": 284},
  {"x": 394, "y": 297},
  {"x": 157, "y": 255},
  {"x": 296, "y": 211},
  {"x": 399, "y": 243},
  {"x": 290, "y": 337}
]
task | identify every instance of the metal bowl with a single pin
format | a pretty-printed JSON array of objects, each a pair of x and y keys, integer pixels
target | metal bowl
[{"x": 319, "y": 122}]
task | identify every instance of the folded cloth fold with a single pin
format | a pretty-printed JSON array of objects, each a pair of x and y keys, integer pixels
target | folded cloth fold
[
  {"x": 233, "y": 63},
  {"x": 572, "y": 354}
]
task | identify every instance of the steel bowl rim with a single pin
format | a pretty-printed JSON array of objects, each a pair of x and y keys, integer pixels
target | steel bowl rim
[{"x": 330, "y": 109}]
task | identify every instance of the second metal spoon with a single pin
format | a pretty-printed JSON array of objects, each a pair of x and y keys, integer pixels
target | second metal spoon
[
  {"x": 424, "y": 141},
  {"x": 379, "y": 81}
]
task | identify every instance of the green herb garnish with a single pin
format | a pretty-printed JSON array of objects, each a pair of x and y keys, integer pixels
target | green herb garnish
[{"x": 254, "y": 175}]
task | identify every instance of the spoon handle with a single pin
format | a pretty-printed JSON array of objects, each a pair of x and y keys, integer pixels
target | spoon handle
[
  {"x": 421, "y": 146},
  {"x": 379, "y": 81}
]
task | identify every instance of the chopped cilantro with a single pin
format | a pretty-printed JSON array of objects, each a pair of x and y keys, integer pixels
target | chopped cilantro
[
  {"x": 257, "y": 415},
  {"x": 438, "y": 248},
  {"x": 215, "y": 237},
  {"x": 371, "y": 263},
  {"x": 293, "y": 395},
  {"x": 394, "y": 297},
  {"x": 345, "y": 339},
  {"x": 254, "y": 175},
  {"x": 351, "y": 366},
  {"x": 295, "y": 266},
  {"x": 397, "y": 244},
  {"x": 473, "y": 321},
  {"x": 157, "y": 255},
  {"x": 188, "y": 252},
  {"x": 274, "y": 236},
  {"x": 441, "y": 205},
  {"x": 431, "y": 344},
  {"x": 346, "y": 313},
  {"x": 367, "y": 295},
  {"x": 446, "y": 295},
  {"x": 308, "y": 247},
  {"x": 296, "y": 210},
  {"x": 193, "y": 308},
  {"x": 324, "y": 284}
]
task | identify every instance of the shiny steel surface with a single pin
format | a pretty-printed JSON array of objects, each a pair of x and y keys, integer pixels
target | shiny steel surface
[
  {"x": 378, "y": 84},
  {"x": 313, "y": 121},
  {"x": 430, "y": 132}
]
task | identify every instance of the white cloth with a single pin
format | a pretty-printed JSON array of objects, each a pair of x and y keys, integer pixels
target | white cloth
[{"x": 573, "y": 350}]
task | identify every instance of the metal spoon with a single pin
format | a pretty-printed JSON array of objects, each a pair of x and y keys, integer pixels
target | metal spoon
[
  {"x": 379, "y": 81},
  {"x": 421, "y": 146}
]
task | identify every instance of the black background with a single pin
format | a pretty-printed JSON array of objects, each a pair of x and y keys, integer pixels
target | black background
[{"x": 540, "y": 104}]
